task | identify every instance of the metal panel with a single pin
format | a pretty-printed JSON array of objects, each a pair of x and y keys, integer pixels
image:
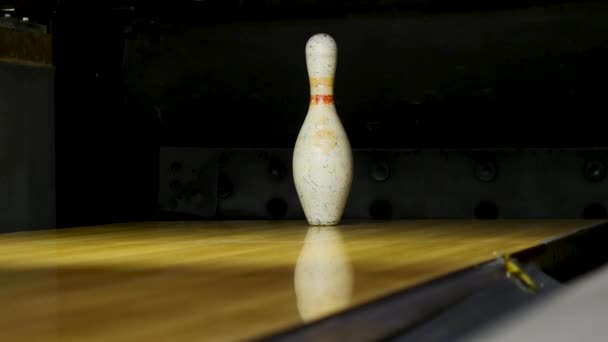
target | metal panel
[
  {"x": 188, "y": 181},
  {"x": 531, "y": 183}
]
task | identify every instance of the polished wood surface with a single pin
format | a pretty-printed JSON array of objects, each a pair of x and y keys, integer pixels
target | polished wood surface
[{"x": 184, "y": 281}]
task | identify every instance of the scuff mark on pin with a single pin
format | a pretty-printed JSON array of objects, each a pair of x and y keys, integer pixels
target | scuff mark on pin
[
  {"x": 326, "y": 140},
  {"x": 321, "y": 81}
]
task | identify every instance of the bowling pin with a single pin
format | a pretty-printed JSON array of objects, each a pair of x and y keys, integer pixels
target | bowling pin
[
  {"x": 323, "y": 276},
  {"x": 322, "y": 157}
]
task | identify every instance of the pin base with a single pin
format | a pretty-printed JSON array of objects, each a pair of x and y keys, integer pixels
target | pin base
[{"x": 323, "y": 223}]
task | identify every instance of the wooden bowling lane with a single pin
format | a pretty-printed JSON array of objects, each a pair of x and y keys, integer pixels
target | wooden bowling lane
[{"x": 224, "y": 281}]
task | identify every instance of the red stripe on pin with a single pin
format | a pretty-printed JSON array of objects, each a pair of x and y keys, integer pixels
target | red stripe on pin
[{"x": 322, "y": 99}]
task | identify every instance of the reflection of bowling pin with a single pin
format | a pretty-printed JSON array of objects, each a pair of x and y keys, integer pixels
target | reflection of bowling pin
[
  {"x": 322, "y": 157},
  {"x": 323, "y": 275}
]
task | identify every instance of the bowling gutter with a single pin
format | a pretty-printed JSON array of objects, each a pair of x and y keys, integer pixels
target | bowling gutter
[{"x": 398, "y": 315}]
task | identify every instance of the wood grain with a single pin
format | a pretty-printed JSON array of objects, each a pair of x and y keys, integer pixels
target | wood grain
[{"x": 184, "y": 281}]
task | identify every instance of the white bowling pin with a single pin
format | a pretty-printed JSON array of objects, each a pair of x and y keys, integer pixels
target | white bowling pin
[
  {"x": 323, "y": 277},
  {"x": 322, "y": 157}
]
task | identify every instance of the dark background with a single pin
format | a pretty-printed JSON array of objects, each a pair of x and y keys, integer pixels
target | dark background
[{"x": 133, "y": 76}]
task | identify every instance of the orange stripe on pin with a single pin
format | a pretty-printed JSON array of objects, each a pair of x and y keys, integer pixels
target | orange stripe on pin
[{"x": 322, "y": 99}]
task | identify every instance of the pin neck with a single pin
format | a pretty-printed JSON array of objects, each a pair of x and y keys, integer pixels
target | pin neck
[{"x": 321, "y": 90}]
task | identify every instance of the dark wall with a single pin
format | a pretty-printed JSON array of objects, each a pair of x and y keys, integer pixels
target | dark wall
[
  {"x": 405, "y": 78},
  {"x": 133, "y": 76},
  {"x": 27, "y": 164},
  {"x": 106, "y": 147}
]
